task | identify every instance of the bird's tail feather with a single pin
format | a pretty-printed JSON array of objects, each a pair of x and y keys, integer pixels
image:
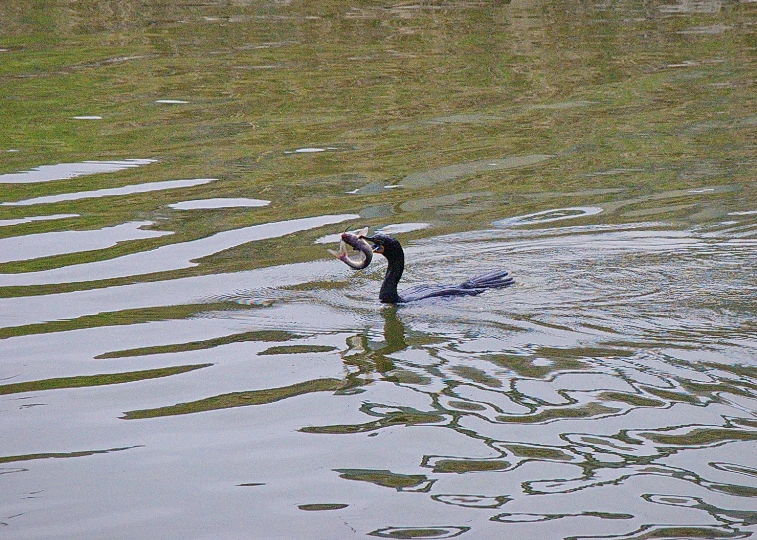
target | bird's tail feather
[{"x": 491, "y": 280}]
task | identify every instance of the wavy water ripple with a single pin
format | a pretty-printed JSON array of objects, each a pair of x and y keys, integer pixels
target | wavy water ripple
[
  {"x": 112, "y": 192},
  {"x": 63, "y": 171},
  {"x": 34, "y": 246},
  {"x": 183, "y": 359},
  {"x": 617, "y": 380},
  {"x": 169, "y": 257},
  {"x": 523, "y": 406}
]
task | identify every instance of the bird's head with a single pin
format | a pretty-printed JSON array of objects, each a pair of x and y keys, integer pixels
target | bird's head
[{"x": 385, "y": 245}]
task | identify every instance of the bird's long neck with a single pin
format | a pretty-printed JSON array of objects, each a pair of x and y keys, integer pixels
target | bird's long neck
[{"x": 388, "y": 293}]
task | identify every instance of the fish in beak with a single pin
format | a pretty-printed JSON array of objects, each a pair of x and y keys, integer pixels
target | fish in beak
[{"x": 361, "y": 254}]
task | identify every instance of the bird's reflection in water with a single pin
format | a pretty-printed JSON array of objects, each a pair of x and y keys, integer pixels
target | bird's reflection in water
[
  {"x": 369, "y": 356},
  {"x": 466, "y": 405},
  {"x": 372, "y": 361}
]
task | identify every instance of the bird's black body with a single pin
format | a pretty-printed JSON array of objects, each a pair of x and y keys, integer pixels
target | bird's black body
[{"x": 395, "y": 256}]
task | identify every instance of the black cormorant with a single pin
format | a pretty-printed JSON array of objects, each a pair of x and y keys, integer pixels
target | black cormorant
[{"x": 395, "y": 256}]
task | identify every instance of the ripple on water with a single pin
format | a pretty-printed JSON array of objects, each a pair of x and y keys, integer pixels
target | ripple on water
[
  {"x": 372, "y": 188},
  {"x": 472, "y": 501},
  {"x": 605, "y": 281},
  {"x": 113, "y": 192},
  {"x": 398, "y": 228},
  {"x": 34, "y": 246},
  {"x": 307, "y": 150},
  {"x": 419, "y": 532},
  {"x": 548, "y": 216},
  {"x": 32, "y": 219},
  {"x": 169, "y": 257},
  {"x": 209, "y": 204},
  {"x": 319, "y": 149},
  {"x": 63, "y": 171},
  {"x": 573, "y": 385},
  {"x": 461, "y": 170}
]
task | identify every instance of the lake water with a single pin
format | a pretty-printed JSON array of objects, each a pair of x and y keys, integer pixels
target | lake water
[{"x": 180, "y": 357}]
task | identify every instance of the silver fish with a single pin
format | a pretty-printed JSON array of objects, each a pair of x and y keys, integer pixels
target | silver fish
[{"x": 364, "y": 255}]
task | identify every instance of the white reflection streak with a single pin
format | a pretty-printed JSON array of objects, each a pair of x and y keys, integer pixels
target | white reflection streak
[
  {"x": 31, "y": 219},
  {"x": 210, "y": 204},
  {"x": 170, "y": 257},
  {"x": 63, "y": 171},
  {"x": 34, "y": 246},
  {"x": 112, "y": 192},
  {"x": 26, "y": 310}
]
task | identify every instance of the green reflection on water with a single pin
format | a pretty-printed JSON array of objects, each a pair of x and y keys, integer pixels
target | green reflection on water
[
  {"x": 469, "y": 465},
  {"x": 401, "y": 418},
  {"x": 256, "y": 335},
  {"x": 588, "y": 410},
  {"x": 49, "y": 455},
  {"x": 392, "y": 94},
  {"x": 119, "y": 318},
  {"x": 96, "y": 380},
  {"x": 297, "y": 349},
  {"x": 703, "y": 436},
  {"x": 397, "y": 481},
  {"x": 537, "y": 452},
  {"x": 238, "y": 399}
]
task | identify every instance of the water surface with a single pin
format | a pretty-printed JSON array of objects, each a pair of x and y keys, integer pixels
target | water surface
[{"x": 181, "y": 357}]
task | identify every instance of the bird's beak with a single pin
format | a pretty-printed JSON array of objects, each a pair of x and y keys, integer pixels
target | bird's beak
[{"x": 377, "y": 248}]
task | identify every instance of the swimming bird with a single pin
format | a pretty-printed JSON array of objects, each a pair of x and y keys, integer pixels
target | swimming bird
[{"x": 391, "y": 249}]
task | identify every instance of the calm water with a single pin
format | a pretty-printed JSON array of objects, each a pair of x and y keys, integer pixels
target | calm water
[{"x": 181, "y": 358}]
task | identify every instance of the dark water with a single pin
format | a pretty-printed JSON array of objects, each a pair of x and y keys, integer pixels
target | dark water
[{"x": 181, "y": 358}]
